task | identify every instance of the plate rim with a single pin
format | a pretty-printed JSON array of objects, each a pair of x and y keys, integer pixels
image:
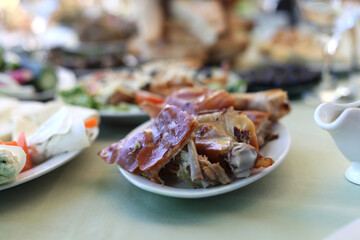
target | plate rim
[{"x": 169, "y": 191}]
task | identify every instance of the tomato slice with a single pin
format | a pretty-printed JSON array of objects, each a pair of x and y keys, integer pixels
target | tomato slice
[
  {"x": 22, "y": 143},
  {"x": 141, "y": 96}
]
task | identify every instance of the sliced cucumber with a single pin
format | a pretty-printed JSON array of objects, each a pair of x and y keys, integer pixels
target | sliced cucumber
[{"x": 46, "y": 80}]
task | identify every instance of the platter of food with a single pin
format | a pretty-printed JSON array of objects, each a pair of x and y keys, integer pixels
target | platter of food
[
  {"x": 203, "y": 142},
  {"x": 116, "y": 94},
  {"x": 36, "y": 138},
  {"x": 276, "y": 149}
]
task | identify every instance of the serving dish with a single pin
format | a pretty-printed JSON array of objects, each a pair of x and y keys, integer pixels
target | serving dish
[
  {"x": 341, "y": 121},
  {"x": 276, "y": 149}
]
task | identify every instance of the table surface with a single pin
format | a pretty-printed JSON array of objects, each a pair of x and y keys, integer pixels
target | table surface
[{"x": 306, "y": 197}]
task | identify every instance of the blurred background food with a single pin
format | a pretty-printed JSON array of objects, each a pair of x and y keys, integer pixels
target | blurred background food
[
  {"x": 153, "y": 29},
  {"x": 251, "y": 39}
]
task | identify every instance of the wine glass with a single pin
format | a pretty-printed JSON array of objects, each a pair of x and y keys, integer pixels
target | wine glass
[
  {"x": 330, "y": 19},
  {"x": 41, "y": 12}
]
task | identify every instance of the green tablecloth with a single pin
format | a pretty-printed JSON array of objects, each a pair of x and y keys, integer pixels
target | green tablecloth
[{"x": 306, "y": 197}]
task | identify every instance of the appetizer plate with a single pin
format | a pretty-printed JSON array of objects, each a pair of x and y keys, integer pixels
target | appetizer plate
[
  {"x": 45, "y": 167},
  {"x": 276, "y": 149}
]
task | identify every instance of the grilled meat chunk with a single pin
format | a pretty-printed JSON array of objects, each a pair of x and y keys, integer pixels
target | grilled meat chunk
[
  {"x": 228, "y": 137},
  {"x": 263, "y": 126},
  {"x": 146, "y": 152},
  {"x": 193, "y": 100},
  {"x": 274, "y": 101}
]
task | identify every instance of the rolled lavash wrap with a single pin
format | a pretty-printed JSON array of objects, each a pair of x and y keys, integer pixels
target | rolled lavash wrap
[
  {"x": 62, "y": 131},
  {"x": 12, "y": 161}
]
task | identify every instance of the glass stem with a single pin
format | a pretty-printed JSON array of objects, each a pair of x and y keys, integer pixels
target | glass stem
[{"x": 330, "y": 44}]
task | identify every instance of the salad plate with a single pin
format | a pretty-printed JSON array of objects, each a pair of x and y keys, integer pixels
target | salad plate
[
  {"x": 95, "y": 89},
  {"x": 276, "y": 149},
  {"x": 66, "y": 80}
]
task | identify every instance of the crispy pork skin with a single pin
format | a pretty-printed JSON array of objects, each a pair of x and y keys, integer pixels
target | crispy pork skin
[
  {"x": 274, "y": 101},
  {"x": 195, "y": 100},
  {"x": 263, "y": 126},
  {"x": 146, "y": 152}
]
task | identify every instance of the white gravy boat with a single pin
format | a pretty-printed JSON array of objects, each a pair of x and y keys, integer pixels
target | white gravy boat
[{"x": 342, "y": 121}]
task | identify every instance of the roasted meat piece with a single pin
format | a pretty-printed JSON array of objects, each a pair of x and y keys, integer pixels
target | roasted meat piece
[
  {"x": 274, "y": 101},
  {"x": 146, "y": 152},
  {"x": 197, "y": 170},
  {"x": 224, "y": 148},
  {"x": 263, "y": 126},
  {"x": 229, "y": 138},
  {"x": 193, "y": 100}
]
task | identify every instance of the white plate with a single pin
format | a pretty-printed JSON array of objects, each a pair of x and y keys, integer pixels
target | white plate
[
  {"x": 45, "y": 167},
  {"x": 276, "y": 149}
]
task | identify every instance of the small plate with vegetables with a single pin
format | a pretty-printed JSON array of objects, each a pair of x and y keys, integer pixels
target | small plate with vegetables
[
  {"x": 27, "y": 79},
  {"x": 43, "y": 136}
]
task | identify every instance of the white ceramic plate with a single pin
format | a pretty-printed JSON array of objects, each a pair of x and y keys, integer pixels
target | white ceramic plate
[
  {"x": 276, "y": 149},
  {"x": 45, "y": 167}
]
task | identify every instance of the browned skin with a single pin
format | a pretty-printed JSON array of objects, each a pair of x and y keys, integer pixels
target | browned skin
[
  {"x": 193, "y": 100},
  {"x": 217, "y": 131},
  {"x": 152, "y": 109},
  {"x": 274, "y": 101},
  {"x": 121, "y": 95},
  {"x": 263, "y": 126},
  {"x": 146, "y": 152}
]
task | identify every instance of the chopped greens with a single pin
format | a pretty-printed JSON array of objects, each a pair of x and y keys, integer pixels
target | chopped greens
[
  {"x": 123, "y": 106},
  {"x": 78, "y": 96}
]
